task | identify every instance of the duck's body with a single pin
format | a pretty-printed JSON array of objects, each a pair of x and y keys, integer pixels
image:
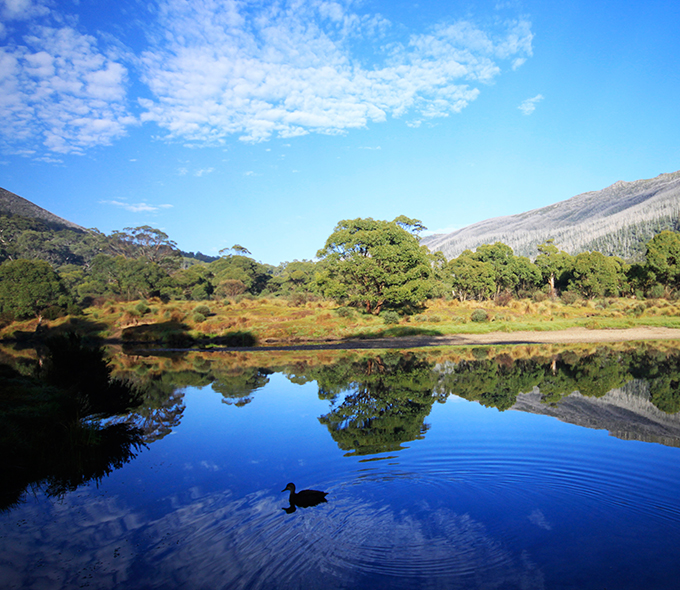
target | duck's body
[{"x": 304, "y": 498}]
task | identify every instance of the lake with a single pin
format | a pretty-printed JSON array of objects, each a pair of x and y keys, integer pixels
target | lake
[{"x": 513, "y": 467}]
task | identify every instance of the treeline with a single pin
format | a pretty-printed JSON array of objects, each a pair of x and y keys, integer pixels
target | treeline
[{"x": 377, "y": 266}]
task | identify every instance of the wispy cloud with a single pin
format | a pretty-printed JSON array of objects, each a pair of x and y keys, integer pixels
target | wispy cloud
[
  {"x": 216, "y": 69},
  {"x": 59, "y": 92},
  {"x": 529, "y": 105},
  {"x": 203, "y": 172},
  {"x": 137, "y": 207}
]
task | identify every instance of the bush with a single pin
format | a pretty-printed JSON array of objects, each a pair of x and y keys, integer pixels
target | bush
[
  {"x": 142, "y": 308},
  {"x": 569, "y": 297},
  {"x": 479, "y": 315},
  {"x": 657, "y": 292},
  {"x": 390, "y": 317},
  {"x": 52, "y": 312},
  {"x": 345, "y": 312},
  {"x": 198, "y": 318},
  {"x": 202, "y": 309},
  {"x": 539, "y": 296}
]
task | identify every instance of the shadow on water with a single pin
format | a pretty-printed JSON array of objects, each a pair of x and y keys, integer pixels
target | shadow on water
[{"x": 53, "y": 430}]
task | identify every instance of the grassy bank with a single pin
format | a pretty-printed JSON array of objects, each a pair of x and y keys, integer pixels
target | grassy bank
[{"x": 278, "y": 321}]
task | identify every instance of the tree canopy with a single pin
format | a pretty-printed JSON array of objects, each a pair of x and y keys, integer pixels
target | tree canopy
[{"x": 376, "y": 264}]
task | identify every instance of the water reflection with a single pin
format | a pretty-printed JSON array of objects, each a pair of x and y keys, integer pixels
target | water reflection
[
  {"x": 483, "y": 499},
  {"x": 53, "y": 430}
]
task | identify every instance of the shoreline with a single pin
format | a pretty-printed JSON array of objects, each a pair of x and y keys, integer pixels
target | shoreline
[{"x": 568, "y": 336}]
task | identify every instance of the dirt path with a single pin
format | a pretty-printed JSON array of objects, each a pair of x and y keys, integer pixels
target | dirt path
[{"x": 570, "y": 336}]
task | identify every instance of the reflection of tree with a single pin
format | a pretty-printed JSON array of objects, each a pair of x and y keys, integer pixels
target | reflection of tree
[
  {"x": 236, "y": 386},
  {"x": 493, "y": 383},
  {"x": 662, "y": 372},
  {"x": 385, "y": 403},
  {"x": 497, "y": 382},
  {"x": 52, "y": 430}
]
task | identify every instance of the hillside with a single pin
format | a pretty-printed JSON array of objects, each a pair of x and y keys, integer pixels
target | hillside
[
  {"x": 16, "y": 205},
  {"x": 617, "y": 220}
]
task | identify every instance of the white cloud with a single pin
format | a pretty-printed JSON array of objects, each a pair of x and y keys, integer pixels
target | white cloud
[
  {"x": 529, "y": 105},
  {"x": 60, "y": 93},
  {"x": 291, "y": 68},
  {"x": 137, "y": 207},
  {"x": 217, "y": 69},
  {"x": 203, "y": 171}
]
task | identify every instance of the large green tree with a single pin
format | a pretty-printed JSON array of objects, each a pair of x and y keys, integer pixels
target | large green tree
[
  {"x": 663, "y": 258},
  {"x": 597, "y": 275},
  {"x": 27, "y": 287},
  {"x": 376, "y": 264}
]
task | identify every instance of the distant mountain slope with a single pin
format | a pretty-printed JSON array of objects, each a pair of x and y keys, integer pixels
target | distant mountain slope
[
  {"x": 16, "y": 205},
  {"x": 617, "y": 220}
]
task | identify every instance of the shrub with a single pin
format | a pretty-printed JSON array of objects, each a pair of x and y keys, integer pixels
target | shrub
[
  {"x": 539, "y": 296},
  {"x": 569, "y": 297},
  {"x": 657, "y": 292},
  {"x": 390, "y": 317},
  {"x": 142, "y": 308},
  {"x": 504, "y": 298},
  {"x": 345, "y": 312},
  {"x": 479, "y": 315},
  {"x": 202, "y": 309},
  {"x": 198, "y": 318},
  {"x": 52, "y": 312}
]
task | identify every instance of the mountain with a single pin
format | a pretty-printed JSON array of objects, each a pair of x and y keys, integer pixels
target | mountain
[
  {"x": 16, "y": 205},
  {"x": 617, "y": 220},
  {"x": 625, "y": 413}
]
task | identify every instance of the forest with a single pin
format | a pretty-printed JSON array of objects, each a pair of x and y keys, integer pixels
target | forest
[{"x": 377, "y": 267}]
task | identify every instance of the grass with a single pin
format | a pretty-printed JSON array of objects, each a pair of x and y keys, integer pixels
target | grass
[{"x": 276, "y": 321}]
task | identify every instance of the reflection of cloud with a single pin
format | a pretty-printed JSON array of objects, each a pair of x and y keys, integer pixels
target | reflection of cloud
[
  {"x": 219, "y": 541},
  {"x": 537, "y": 518}
]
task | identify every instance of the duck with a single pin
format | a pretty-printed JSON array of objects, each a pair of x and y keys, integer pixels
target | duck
[{"x": 304, "y": 498}]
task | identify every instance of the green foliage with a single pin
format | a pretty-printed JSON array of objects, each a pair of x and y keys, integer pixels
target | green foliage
[
  {"x": 27, "y": 287},
  {"x": 375, "y": 265},
  {"x": 597, "y": 275},
  {"x": 198, "y": 317},
  {"x": 202, "y": 309},
  {"x": 390, "y": 317},
  {"x": 142, "y": 308},
  {"x": 663, "y": 258},
  {"x": 471, "y": 278},
  {"x": 479, "y": 315}
]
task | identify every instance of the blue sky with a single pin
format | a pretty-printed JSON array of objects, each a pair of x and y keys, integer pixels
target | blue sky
[{"x": 265, "y": 123}]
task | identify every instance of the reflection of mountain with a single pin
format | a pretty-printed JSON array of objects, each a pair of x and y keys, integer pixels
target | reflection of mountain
[{"x": 626, "y": 413}]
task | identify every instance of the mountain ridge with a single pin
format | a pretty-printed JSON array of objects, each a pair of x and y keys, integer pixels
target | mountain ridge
[
  {"x": 618, "y": 220},
  {"x": 13, "y": 204}
]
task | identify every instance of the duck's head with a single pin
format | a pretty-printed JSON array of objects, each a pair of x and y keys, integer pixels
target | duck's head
[{"x": 289, "y": 487}]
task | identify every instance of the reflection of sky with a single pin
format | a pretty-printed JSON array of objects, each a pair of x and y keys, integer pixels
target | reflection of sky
[
  {"x": 487, "y": 499},
  {"x": 218, "y": 541}
]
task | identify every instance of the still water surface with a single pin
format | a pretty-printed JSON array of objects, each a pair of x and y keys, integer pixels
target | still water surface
[{"x": 476, "y": 498}]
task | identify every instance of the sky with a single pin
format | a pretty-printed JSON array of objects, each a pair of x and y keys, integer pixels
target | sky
[{"x": 265, "y": 123}]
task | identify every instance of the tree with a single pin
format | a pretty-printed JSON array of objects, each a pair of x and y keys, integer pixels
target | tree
[
  {"x": 470, "y": 278},
  {"x": 27, "y": 287},
  {"x": 146, "y": 242},
  {"x": 553, "y": 264},
  {"x": 375, "y": 265},
  {"x": 663, "y": 258},
  {"x": 597, "y": 275}
]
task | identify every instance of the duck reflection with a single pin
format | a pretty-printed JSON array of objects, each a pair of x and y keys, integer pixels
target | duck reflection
[{"x": 303, "y": 498}]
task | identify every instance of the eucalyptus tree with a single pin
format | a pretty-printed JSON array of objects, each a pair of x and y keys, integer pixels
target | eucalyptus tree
[{"x": 376, "y": 264}]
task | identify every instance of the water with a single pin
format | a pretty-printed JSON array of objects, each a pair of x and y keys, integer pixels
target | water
[{"x": 468, "y": 497}]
